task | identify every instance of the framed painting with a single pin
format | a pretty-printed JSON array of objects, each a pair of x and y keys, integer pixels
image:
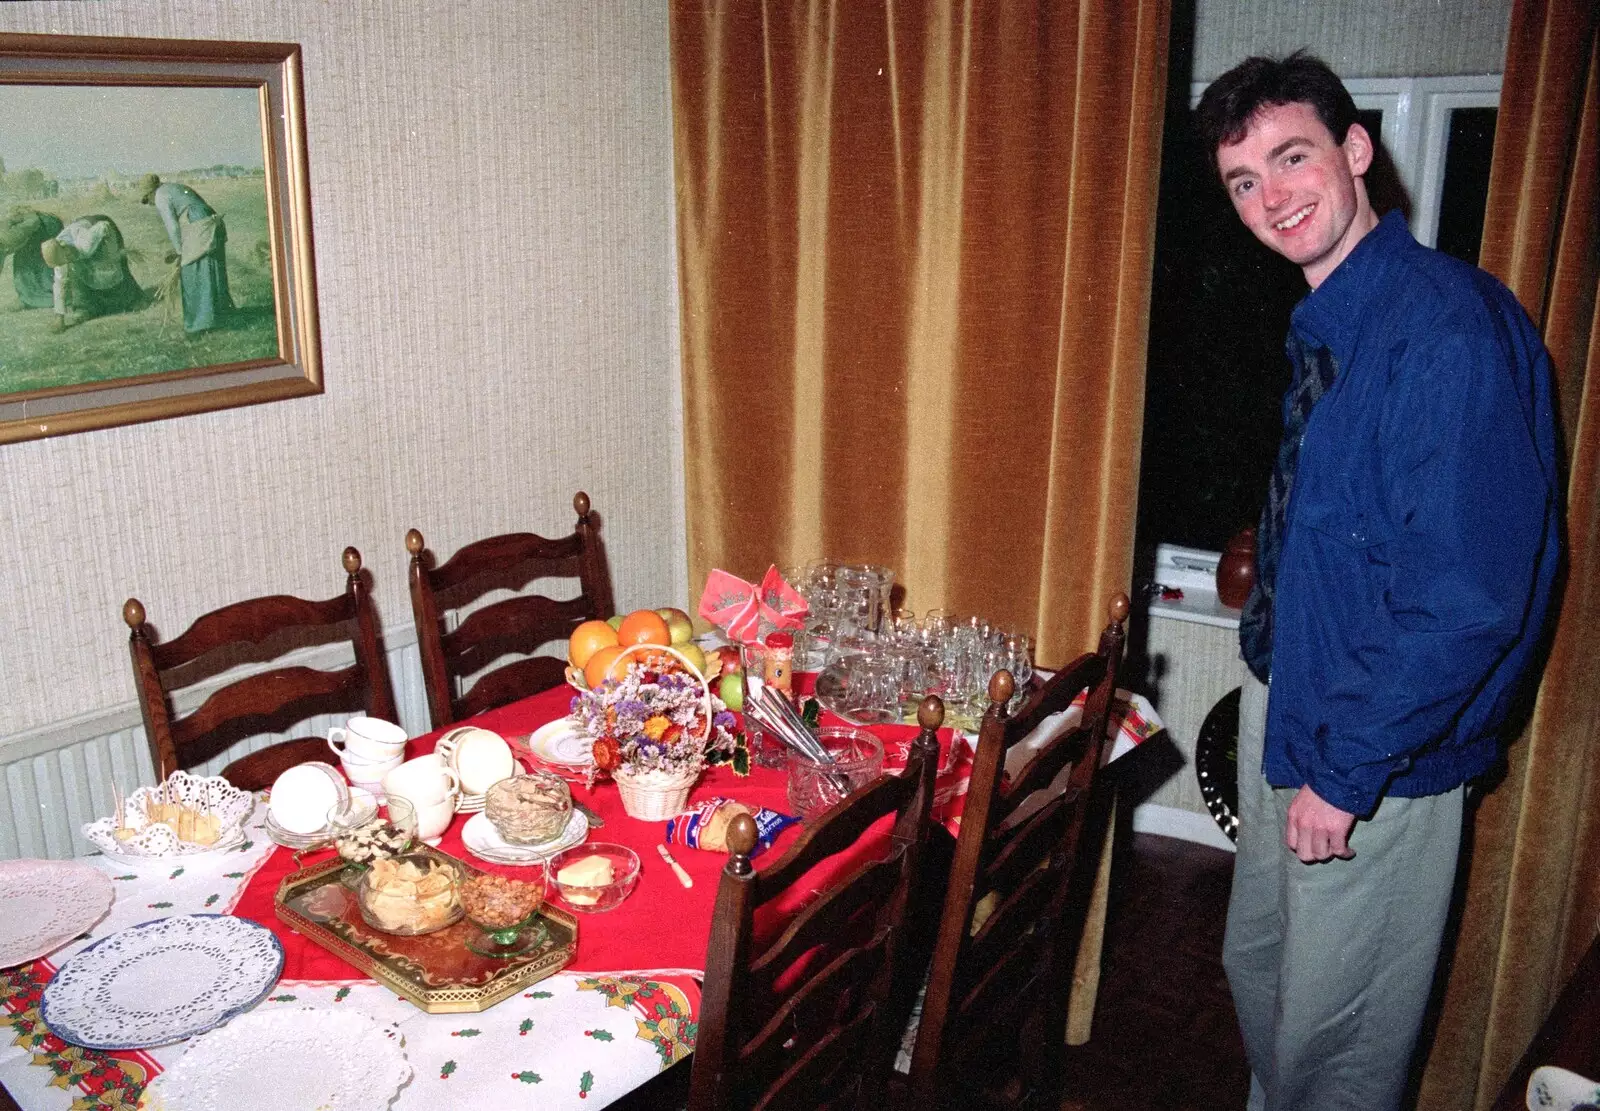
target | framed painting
[{"x": 155, "y": 231}]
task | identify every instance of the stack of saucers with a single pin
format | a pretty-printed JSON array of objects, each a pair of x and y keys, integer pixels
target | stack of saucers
[
  {"x": 483, "y": 841},
  {"x": 298, "y": 805}
]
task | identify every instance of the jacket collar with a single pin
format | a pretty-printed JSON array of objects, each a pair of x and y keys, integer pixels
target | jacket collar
[{"x": 1332, "y": 314}]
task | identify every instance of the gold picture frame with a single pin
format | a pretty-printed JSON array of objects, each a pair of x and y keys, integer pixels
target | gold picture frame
[{"x": 144, "y": 174}]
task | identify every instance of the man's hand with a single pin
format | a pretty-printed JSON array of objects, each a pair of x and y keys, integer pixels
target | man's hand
[{"x": 1318, "y": 830}]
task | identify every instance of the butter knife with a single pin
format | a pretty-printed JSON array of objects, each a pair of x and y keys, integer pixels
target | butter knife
[{"x": 595, "y": 820}]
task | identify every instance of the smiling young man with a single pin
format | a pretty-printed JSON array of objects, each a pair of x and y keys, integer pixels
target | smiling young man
[{"x": 1406, "y": 553}]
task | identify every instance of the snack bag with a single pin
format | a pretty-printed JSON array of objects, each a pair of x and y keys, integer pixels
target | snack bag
[{"x": 706, "y": 826}]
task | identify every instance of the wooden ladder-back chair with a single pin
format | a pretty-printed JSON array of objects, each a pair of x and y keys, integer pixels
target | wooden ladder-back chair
[
  {"x": 1017, "y": 895},
  {"x": 813, "y": 1018},
  {"x": 512, "y": 625},
  {"x": 268, "y": 701}
]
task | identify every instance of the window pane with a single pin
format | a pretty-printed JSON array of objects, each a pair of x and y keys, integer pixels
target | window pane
[{"x": 1466, "y": 182}]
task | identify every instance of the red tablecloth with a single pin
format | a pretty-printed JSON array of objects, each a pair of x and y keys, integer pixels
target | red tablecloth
[{"x": 662, "y": 925}]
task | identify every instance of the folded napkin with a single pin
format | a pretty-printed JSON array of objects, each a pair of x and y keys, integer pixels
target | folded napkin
[{"x": 748, "y": 614}]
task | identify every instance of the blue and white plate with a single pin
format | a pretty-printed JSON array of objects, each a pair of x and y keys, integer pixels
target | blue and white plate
[{"x": 162, "y": 981}]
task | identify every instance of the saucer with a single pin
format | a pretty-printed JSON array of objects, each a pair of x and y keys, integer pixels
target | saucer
[{"x": 483, "y": 841}]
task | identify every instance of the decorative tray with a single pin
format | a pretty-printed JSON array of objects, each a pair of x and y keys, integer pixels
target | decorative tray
[{"x": 435, "y": 971}]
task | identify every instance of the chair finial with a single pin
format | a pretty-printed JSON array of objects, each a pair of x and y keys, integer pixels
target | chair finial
[
  {"x": 742, "y": 835},
  {"x": 1119, "y": 608},
  {"x": 133, "y": 613},
  {"x": 930, "y": 715},
  {"x": 1001, "y": 687},
  {"x": 414, "y": 542},
  {"x": 352, "y": 561},
  {"x": 580, "y": 502}
]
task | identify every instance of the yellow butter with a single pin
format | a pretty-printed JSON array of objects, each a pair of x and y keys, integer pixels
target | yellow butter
[{"x": 591, "y": 871}]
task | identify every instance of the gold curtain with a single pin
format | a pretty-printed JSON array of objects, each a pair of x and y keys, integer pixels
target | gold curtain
[
  {"x": 1533, "y": 889},
  {"x": 915, "y": 244}
]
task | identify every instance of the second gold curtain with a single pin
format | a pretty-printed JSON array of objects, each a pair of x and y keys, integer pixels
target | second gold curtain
[{"x": 915, "y": 245}]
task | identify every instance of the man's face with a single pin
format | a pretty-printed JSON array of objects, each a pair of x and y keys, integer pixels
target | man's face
[{"x": 1296, "y": 189}]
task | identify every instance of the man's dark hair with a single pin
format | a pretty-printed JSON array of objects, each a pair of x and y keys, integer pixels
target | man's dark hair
[{"x": 1232, "y": 100}]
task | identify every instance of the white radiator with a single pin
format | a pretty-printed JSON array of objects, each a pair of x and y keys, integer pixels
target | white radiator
[{"x": 56, "y": 779}]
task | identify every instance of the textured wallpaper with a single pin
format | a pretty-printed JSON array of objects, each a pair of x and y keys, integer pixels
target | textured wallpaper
[
  {"x": 492, "y": 195},
  {"x": 1358, "y": 38}
]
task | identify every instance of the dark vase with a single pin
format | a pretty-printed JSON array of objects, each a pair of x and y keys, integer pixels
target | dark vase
[{"x": 1236, "y": 570}]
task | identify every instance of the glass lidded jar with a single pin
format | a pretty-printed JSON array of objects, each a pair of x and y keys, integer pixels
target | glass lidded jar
[{"x": 529, "y": 809}]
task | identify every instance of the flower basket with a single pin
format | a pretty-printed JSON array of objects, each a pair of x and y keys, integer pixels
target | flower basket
[
  {"x": 654, "y": 730},
  {"x": 655, "y": 796}
]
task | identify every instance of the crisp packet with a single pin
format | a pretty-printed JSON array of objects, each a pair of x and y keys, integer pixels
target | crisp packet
[{"x": 706, "y": 825}]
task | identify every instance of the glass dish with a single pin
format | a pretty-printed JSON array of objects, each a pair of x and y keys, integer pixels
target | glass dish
[
  {"x": 858, "y": 758},
  {"x": 529, "y": 809},
  {"x": 362, "y": 834},
  {"x": 595, "y": 899},
  {"x": 506, "y": 914},
  {"x": 399, "y": 895}
]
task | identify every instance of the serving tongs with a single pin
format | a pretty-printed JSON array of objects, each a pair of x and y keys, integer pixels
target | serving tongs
[{"x": 774, "y": 713}]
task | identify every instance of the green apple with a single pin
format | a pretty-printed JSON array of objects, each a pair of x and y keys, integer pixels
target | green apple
[
  {"x": 692, "y": 653},
  {"x": 615, "y": 621},
  {"x": 731, "y": 691},
  {"x": 678, "y": 624}
]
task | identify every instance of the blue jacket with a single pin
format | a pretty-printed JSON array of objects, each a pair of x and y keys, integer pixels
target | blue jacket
[{"x": 1422, "y": 533}]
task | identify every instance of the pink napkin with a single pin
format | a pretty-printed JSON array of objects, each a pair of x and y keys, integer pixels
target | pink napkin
[{"x": 746, "y": 614}]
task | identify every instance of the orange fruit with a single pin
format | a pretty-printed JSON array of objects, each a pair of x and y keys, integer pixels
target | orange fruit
[
  {"x": 587, "y": 639},
  {"x": 644, "y": 627},
  {"x": 602, "y": 664}
]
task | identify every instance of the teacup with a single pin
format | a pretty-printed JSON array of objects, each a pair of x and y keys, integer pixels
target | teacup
[
  {"x": 367, "y": 773},
  {"x": 424, "y": 780},
  {"x": 432, "y": 818},
  {"x": 367, "y": 739}
]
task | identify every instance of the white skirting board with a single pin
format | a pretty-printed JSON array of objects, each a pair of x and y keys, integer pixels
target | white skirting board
[
  {"x": 1169, "y": 821},
  {"x": 55, "y": 780}
]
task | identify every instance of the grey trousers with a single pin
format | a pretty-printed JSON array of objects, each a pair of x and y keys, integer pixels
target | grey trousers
[{"x": 1331, "y": 964}]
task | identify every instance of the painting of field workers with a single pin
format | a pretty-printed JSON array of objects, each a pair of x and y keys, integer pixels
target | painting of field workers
[{"x": 134, "y": 238}]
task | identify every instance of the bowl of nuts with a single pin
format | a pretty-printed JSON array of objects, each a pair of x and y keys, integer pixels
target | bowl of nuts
[{"x": 506, "y": 912}]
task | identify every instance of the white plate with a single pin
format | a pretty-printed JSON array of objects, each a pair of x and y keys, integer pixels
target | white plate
[
  {"x": 1557, "y": 1089},
  {"x": 343, "y": 1061},
  {"x": 46, "y": 903},
  {"x": 162, "y": 981},
  {"x": 279, "y": 835},
  {"x": 482, "y": 841},
  {"x": 561, "y": 742}
]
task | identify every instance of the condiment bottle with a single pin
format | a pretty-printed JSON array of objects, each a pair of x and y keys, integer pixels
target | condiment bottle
[{"x": 779, "y": 664}]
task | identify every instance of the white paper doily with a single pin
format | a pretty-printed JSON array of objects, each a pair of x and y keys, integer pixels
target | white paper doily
[
  {"x": 342, "y": 1061},
  {"x": 46, "y": 903},
  {"x": 162, "y": 981},
  {"x": 210, "y": 793}
]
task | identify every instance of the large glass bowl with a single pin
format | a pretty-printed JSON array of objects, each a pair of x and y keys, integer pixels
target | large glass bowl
[
  {"x": 596, "y": 899},
  {"x": 397, "y": 896},
  {"x": 529, "y": 809},
  {"x": 858, "y": 760}
]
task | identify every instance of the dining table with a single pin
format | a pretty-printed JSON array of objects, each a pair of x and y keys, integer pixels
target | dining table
[{"x": 624, "y": 1009}]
